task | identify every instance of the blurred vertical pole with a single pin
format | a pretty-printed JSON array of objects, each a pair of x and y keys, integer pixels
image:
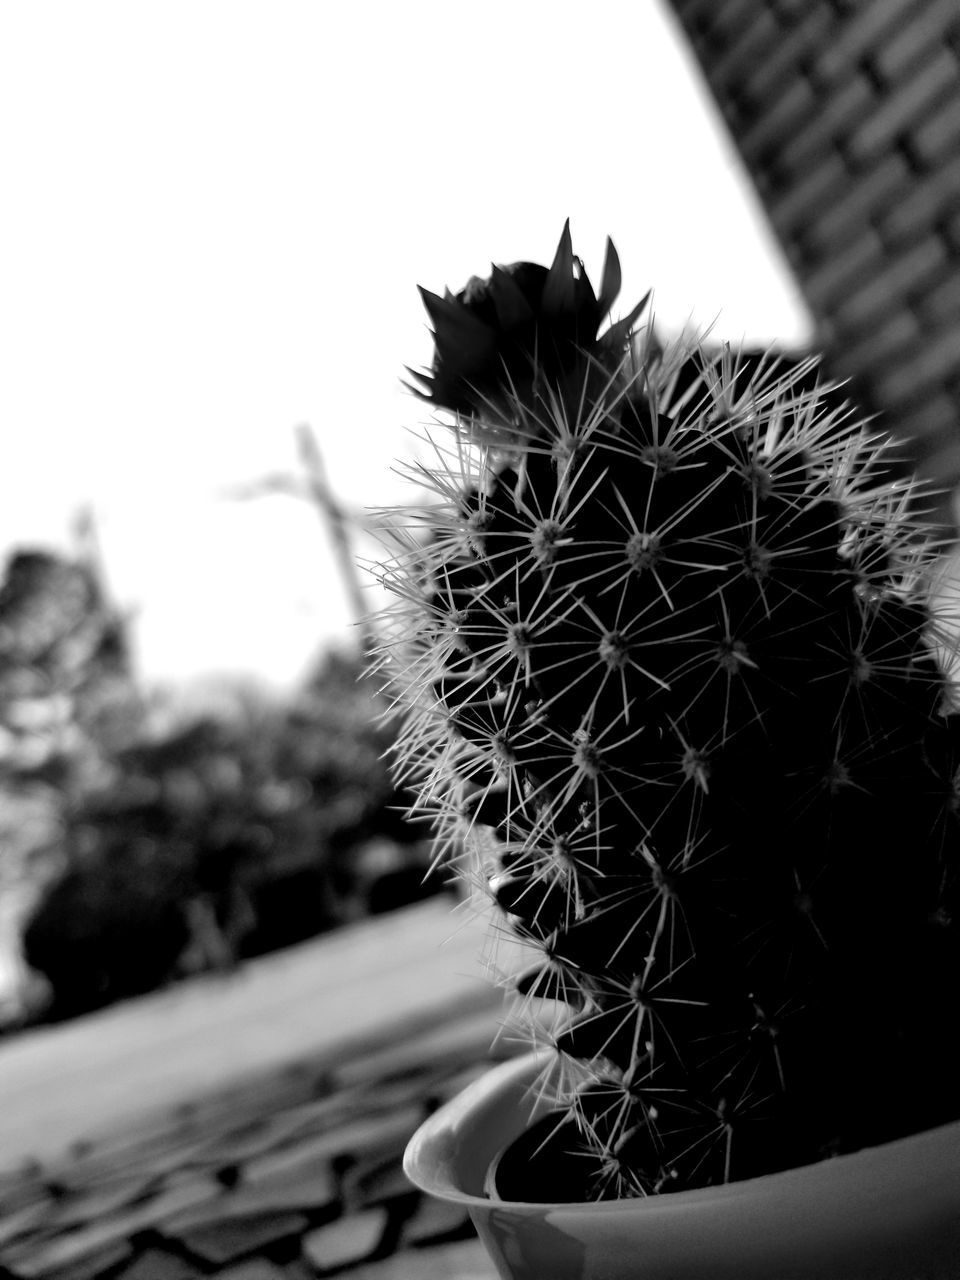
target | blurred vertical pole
[
  {"x": 86, "y": 540},
  {"x": 338, "y": 528}
]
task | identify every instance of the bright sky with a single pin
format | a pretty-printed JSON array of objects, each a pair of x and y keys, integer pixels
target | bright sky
[{"x": 214, "y": 217}]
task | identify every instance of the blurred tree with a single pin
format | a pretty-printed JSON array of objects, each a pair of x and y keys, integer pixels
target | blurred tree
[
  {"x": 66, "y": 689},
  {"x": 222, "y": 836},
  {"x": 67, "y": 698},
  {"x": 183, "y": 839}
]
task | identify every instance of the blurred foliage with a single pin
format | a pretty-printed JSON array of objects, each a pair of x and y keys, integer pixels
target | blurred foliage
[{"x": 179, "y": 838}]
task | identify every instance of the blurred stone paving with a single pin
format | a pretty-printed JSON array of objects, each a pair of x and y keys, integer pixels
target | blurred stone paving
[{"x": 289, "y": 1174}]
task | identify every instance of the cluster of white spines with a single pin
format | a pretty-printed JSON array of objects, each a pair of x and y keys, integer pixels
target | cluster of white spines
[{"x": 507, "y": 615}]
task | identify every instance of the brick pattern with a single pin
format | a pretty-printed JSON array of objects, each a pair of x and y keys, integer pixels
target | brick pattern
[
  {"x": 847, "y": 116},
  {"x": 286, "y": 1177}
]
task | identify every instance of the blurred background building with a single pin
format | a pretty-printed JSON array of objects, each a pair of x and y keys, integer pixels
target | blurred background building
[{"x": 847, "y": 116}]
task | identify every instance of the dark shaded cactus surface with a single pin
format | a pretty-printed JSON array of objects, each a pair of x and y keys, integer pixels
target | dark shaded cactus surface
[{"x": 666, "y": 666}]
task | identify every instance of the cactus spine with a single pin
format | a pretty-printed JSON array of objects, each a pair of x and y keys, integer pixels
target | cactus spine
[{"x": 664, "y": 661}]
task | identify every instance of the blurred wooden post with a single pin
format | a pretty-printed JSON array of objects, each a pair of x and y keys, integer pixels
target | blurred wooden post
[{"x": 338, "y": 528}]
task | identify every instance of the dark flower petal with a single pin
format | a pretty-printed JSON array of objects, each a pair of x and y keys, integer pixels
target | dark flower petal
[
  {"x": 586, "y": 304},
  {"x": 455, "y": 324},
  {"x": 513, "y": 309},
  {"x": 617, "y": 335},
  {"x": 611, "y": 281},
  {"x": 559, "y": 293}
]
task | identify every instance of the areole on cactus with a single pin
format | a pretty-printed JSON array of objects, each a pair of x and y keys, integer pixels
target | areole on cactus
[{"x": 664, "y": 658}]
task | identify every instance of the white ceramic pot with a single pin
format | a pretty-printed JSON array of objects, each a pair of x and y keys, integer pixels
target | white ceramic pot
[{"x": 888, "y": 1213}]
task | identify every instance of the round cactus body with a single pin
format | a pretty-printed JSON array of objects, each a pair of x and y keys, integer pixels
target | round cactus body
[{"x": 665, "y": 668}]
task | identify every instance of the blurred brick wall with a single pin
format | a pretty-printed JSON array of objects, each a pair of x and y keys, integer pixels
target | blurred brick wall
[{"x": 847, "y": 115}]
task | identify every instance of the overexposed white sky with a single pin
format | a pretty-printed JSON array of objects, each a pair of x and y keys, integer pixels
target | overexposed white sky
[{"x": 213, "y": 219}]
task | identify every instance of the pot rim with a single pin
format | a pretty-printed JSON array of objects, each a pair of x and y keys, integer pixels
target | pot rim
[{"x": 430, "y": 1154}]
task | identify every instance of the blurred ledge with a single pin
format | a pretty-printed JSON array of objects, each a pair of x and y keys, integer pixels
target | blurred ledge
[{"x": 350, "y": 996}]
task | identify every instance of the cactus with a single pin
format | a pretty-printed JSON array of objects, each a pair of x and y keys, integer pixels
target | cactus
[{"x": 666, "y": 668}]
